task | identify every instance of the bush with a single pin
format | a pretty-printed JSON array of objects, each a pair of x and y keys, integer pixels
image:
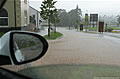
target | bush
[{"x": 108, "y": 30}]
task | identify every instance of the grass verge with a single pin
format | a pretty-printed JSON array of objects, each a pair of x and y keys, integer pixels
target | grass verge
[
  {"x": 53, "y": 36},
  {"x": 88, "y": 32},
  {"x": 114, "y": 28},
  {"x": 91, "y": 32},
  {"x": 91, "y": 28}
]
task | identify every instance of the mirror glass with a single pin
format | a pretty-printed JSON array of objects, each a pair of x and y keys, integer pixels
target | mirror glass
[
  {"x": 1, "y": 3},
  {"x": 26, "y": 47}
]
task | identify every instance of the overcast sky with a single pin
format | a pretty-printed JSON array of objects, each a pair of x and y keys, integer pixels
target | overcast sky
[{"x": 102, "y": 7}]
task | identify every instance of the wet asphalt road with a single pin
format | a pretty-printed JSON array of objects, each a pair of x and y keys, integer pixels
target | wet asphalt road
[{"x": 80, "y": 48}]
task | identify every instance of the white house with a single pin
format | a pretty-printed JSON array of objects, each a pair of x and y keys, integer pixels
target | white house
[{"x": 35, "y": 18}]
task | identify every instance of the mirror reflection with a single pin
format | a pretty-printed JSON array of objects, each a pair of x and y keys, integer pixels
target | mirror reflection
[{"x": 26, "y": 47}]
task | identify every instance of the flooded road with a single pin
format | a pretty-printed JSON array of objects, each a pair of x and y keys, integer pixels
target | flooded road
[{"x": 79, "y": 48}]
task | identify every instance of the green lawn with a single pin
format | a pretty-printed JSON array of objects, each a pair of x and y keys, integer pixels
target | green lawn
[
  {"x": 91, "y": 32},
  {"x": 95, "y": 29},
  {"x": 114, "y": 28},
  {"x": 71, "y": 71},
  {"x": 53, "y": 36},
  {"x": 91, "y": 28}
]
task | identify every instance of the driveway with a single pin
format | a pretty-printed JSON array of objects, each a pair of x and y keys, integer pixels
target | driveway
[{"x": 79, "y": 48}]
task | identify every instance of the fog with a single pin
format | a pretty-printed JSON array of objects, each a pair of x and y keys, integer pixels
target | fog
[{"x": 102, "y": 7}]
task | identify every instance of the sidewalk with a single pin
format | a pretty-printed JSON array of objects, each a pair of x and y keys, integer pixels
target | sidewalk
[{"x": 43, "y": 32}]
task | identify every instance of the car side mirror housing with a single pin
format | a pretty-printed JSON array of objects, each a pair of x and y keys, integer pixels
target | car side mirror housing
[{"x": 22, "y": 47}]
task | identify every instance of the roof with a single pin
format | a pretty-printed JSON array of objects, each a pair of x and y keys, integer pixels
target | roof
[{"x": 34, "y": 9}]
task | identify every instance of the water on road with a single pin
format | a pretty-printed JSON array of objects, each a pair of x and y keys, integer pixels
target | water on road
[
  {"x": 82, "y": 48},
  {"x": 79, "y": 48}
]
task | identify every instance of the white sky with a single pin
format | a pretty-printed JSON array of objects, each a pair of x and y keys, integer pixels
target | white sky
[{"x": 102, "y": 7}]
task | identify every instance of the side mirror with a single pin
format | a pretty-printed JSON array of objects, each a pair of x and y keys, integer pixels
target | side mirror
[
  {"x": 23, "y": 47},
  {"x": 2, "y": 2}
]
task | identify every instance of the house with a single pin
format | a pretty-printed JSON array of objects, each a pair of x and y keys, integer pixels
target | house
[
  {"x": 14, "y": 15},
  {"x": 34, "y": 18}
]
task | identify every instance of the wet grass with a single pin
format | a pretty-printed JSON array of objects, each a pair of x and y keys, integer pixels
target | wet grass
[
  {"x": 53, "y": 36},
  {"x": 114, "y": 28},
  {"x": 71, "y": 71},
  {"x": 95, "y": 28},
  {"x": 91, "y": 32},
  {"x": 91, "y": 28}
]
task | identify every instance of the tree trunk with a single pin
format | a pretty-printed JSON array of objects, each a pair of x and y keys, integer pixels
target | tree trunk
[
  {"x": 118, "y": 24},
  {"x": 55, "y": 26},
  {"x": 69, "y": 27},
  {"x": 86, "y": 27},
  {"x": 49, "y": 26}
]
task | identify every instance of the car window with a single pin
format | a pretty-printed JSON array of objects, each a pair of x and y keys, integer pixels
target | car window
[{"x": 83, "y": 37}]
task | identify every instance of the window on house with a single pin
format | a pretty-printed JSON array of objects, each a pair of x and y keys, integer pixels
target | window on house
[
  {"x": 40, "y": 22},
  {"x": 25, "y": 1},
  {"x": 33, "y": 16},
  {"x": 25, "y": 18},
  {"x": 3, "y": 17},
  {"x": 30, "y": 19}
]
